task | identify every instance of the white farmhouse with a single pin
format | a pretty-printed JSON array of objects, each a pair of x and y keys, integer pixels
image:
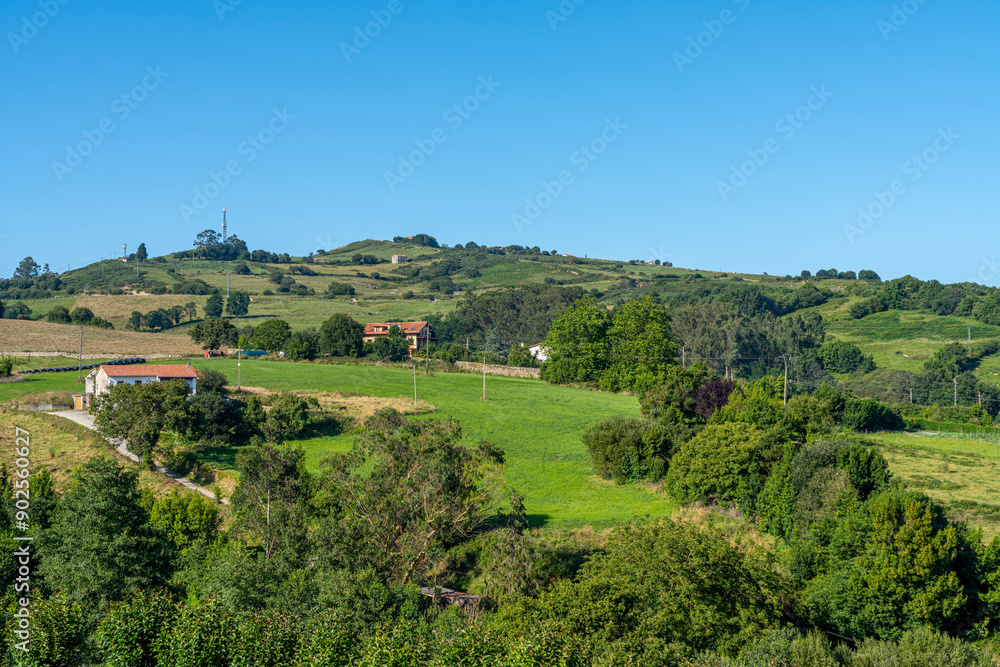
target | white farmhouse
[
  {"x": 539, "y": 351},
  {"x": 101, "y": 379}
]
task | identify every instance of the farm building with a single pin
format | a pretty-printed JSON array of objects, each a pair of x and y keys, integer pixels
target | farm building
[
  {"x": 400, "y": 259},
  {"x": 417, "y": 333},
  {"x": 101, "y": 379},
  {"x": 538, "y": 351}
]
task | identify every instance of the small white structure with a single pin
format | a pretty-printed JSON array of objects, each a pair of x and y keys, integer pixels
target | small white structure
[
  {"x": 400, "y": 259},
  {"x": 101, "y": 379},
  {"x": 538, "y": 351}
]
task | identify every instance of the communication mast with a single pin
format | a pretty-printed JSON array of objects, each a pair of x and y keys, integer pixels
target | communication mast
[{"x": 224, "y": 225}]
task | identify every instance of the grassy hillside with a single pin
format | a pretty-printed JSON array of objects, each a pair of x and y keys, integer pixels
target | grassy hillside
[
  {"x": 62, "y": 446},
  {"x": 899, "y": 340},
  {"x": 962, "y": 474}
]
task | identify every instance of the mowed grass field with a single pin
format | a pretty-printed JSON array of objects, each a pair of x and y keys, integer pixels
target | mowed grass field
[
  {"x": 537, "y": 425},
  {"x": 961, "y": 474}
]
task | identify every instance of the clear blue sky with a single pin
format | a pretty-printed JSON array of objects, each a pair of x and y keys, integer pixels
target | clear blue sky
[{"x": 679, "y": 118}]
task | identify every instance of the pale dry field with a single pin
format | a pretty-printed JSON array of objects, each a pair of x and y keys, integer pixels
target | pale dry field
[{"x": 18, "y": 336}]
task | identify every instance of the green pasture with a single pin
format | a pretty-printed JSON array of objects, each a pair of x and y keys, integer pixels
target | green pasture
[
  {"x": 962, "y": 474},
  {"x": 537, "y": 425}
]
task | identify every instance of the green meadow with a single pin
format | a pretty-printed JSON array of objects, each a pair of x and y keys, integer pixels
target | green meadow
[
  {"x": 537, "y": 425},
  {"x": 962, "y": 474}
]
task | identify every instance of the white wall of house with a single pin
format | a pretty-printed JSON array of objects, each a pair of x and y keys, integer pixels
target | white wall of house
[{"x": 103, "y": 382}]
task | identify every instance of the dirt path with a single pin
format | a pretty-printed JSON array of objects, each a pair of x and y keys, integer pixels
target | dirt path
[{"x": 84, "y": 418}]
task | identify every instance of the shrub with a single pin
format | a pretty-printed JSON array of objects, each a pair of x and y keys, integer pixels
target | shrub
[
  {"x": 128, "y": 633},
  {"x": 626, "y": 449},
  {"x": 724, "y": 462},
  {"x": 58, "y": 315},
  {"x": 6, "y": 366},
  {"x": 200, "y": 637},
  {"x": 338, "y": 289},
  {"x": 870, "y": 415},
  {"x": 212, "y": 382}
]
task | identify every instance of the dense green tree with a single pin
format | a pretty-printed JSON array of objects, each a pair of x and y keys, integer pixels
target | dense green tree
[
  {"x": 27, "y": 269},
  {"x": 626, "y": 449},
  {"x": 186, "y": 519},
  {"x": 18, "y": 310},
  {"x": 238, "y": 304},
  {"x": 271, "y": 335},
  {"x": 81, "y": 315},
  {"x": 128, "y": 633},
  {"x": 658, "y": 592},
  {"x": 101, "y": 546},
  {"x": 578, "y": 345},
  {"x": 843, "y": 357},
  {"x": 141, "y": 254},
  {"x": 894, "y": 563},
  {"x": 58, "y": 634},
  {"x": 391, "y": 347},
  {"x": 423, "y": 491},
  {"x": 199, "y": 637},
  {"x": 340, "y": 336},
  {"x": 640, "y": 348},
  {"x": 724, "y": 463},
  {"x": 135, "y": 414},
  {"x": 674, "y": 398},
  {"x": 214, "y": 306},
  {"x": 214, "y": 333},
  {"x": 303, "y": 345},
  {"x": 59, "y": 315},
  {"x": 340, "y": 289},
  {"x": 272, "y": 480},
  {"x": 212, "y": 382}
]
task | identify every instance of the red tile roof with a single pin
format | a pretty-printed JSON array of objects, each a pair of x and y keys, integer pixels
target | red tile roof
[
  {"x": 409, "y": 328},
  {"x": 152, "y": 370}
]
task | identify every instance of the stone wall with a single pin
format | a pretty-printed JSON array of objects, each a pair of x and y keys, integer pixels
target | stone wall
[{"x": 506, "y": 371}]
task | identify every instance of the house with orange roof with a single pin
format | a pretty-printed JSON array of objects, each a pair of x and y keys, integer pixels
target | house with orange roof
[
  {"x": 417, "y": 333},
  {"x": 101, "y": 379}
]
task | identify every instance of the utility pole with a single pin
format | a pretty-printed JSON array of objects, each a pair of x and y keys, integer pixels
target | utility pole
[
  {"x": 911, "y": 395},
  {"x": 324, "y": 305},
  {"x": 683, "y": 357},
  {"x": 980, "y": 399},
  {"x": 227, "y": 284},
  {"x": 239, "y": 366},
  {"x": 484, "y": 376},
  {"x": 785, "y": 399},
  {"x": 79, "y": 370},
  {"x": 427, "y": 352},
  {"x": 955, "y": 380},
  {"x": 137, "y": 267},
  {"x": 970, "y": 340},
  {"x": 414, "y": 381},
  {"x": 786, "y": 359}
]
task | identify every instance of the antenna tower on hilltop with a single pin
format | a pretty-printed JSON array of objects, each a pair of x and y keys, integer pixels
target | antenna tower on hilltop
[{"x": 224, "y": 225}]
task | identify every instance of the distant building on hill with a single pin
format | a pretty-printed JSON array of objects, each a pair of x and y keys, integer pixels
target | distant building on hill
[
  {"x": 417, "y": 333},
  {"x": 319, "y": 260},
  {"x": 400, "y": 259}
]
